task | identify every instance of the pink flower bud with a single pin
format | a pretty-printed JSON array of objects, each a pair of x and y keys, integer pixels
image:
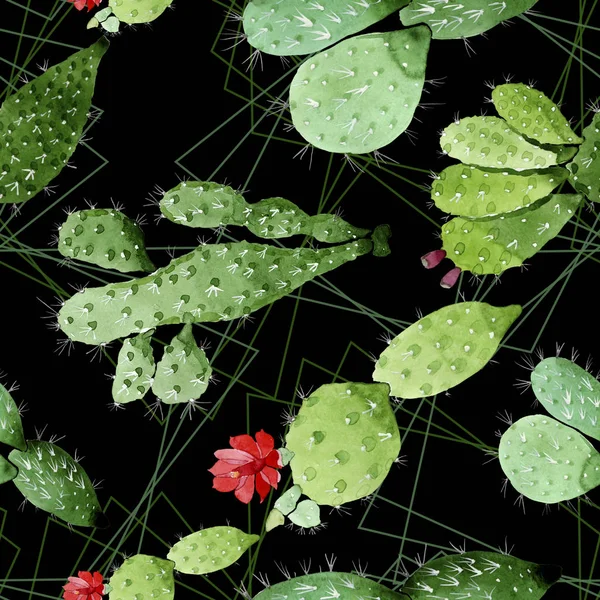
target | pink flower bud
[
  {"x": 433, "y": 259},
  {"x": 450, "y": 278}
]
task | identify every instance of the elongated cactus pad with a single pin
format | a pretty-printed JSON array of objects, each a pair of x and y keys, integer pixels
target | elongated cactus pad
[
  {"x": 210, "y": 549},
  {"x": 51, "y": 480},
  {"x": 585, "y": 167},
  {"x": 444, "y": 348},
  {"x": 345, "y": 439},
  {"x": 138, "y": 11},
  {"x": 8, "y": 471},
  {"x": 42, "y": 123},
  {"x": 481, "y": 574},
  {"x": 361, "y": 94},
  {"x": 569, "y": 393},
  {"x": 274, "y": 519},
  {"x": 104, "y": 237},
  {"x": 135, "y": 369},
  {"x": 143, "y": 577},
  {"x": 463, "y": 19},
  {"x": 547, "y": 461},
  {"x": 11, "y": 428}
]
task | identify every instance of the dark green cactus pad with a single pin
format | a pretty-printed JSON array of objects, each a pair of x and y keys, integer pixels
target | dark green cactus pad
[
  {"x": 307, "y": 514},
  {"x": 51, "y": 480},
  {"x": 138, "y": 11},
  {"x": 210, "y": 550},
  {"x": 143, "y": 577},
  {"x": 490, "y": 246},
  {"x": 7, "y": 470},
  {"x": 444, "y": 348},
  {"x": 481, "y": 575},
  {"x": 569, "y": 393},
  {"x": 361, "y": 94},
  {"x": 490, "y": 142},
  {"x": 42, "y": 123},
  {"x": 293, "y": 27},
  {"x": 104, "y": 237},
  {"x": 547, "y": 461},
  {"x": 585, "y": 168},
  {"x": 463, "y": 19},
  {"x": 345, "y": 439},
  {"x": 135, "y": 369},
  {"x": 11, "y": 428},
  {"x": 473, "y": 193},
  {"x": 533, "y": 114}
]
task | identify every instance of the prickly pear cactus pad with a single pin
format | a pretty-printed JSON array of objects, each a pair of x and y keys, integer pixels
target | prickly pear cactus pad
[
  {"x": 307, "y": 514},
  {"x": 361, "y": 94},
  {"x": 11, "y": 428},
  {"x": 7, "y": 470},
  {"x": 345, "y": 439},
  {"x": 547, "y": 461},
  {"x": 51, "y": 480},
  {"x": 104, "y": 237},
  {"x": 135, "y": 369},
  {"x": 286, "y": 503},
  {"x": 585, "y": 168},
  {"x": 292, "y": 27},
  {"x": 141, "y": 577},
  {"x": 444, "y": 348},
  {"x": 210, "y": 549},
  {"x": 489, "y": 574},
  {"x": 464, "y": 19},
  {"x": 138, "y": 11},
  {"x": 42, "y": 123}
]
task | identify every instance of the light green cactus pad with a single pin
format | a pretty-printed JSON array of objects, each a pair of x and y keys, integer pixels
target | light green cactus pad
[
  {"x": 454, "y": 20},
  {"x": 183, "y": 373},
  {"x": 490, "y": 246},
  {"x": 138, "y": 11},
  {"x": 569, "y": 393},
  {"x": 444, "y": 348},
  {"x": 547, "y": 461},
  {"x": 307, "y": 514},
  {"x": 143, "y": 577},
  {"x": 361, "y": 94},
  {"x": 345, "y": 439},
  {"x": 210, "y": 549},
  {"x": 473, "y": 193},
  {"x": 42, "y": 123},
  {"x": 51, "y": 480},
  {"x": 8, "y": 471},
  {"x": 104, "y": 237},
  {"x": 274, "y": 519},
  {"x": 286, "y": 503},
  {"x": 490, "y": 142},
  {"x": 105, "y": 19},
  {"x": 533, "y": 114},
  {"x": 481, "y": 575},
  {"x": 585, "y": 168},
  {"x": 293, "y": 27},
  {"x": 135, "y": 369},
  {"x": 11, "y": 428}
]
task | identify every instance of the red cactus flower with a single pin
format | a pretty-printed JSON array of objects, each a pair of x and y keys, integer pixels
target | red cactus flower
[
  {"x": 84, "y": 587},
  {"x": 250, "y": 463},
  {"x": 81, "y": 4}
]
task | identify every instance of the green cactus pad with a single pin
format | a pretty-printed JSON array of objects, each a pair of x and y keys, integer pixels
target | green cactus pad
[
  {"x": 473, "y": 193},
  {"x": 7, "y": 470},
  {"x": 138, "y": 11},
  {"x": 294, "y": 27},
  {"x": 51, "y": 480},
  {"x": 42, "y": 123},
  {"x": 569, "y": 393},
  {"x": 361, "y": 94},
  {"x": 444, "y": 348},
  {"x": 490, "y": 246},
  {"x": 183, "y": 373},
  {"x": 215, "y": 282},
  {"x": 135, "y": 369},
  {"x": 274, "y": 519},
  {"x": 547, "y": 461},
  {"x": 585, "y": 168},
  {"x": 11, "y": 428},
  {"x": 210, "y": 549},
  {"x": 104, "y": 237},
  {"x": 286, "y": 503},
  {"x": 481, "y": 575},
  {"x": 533, "y": 114},
  {"x": 143, "y": 577},
  {"x": 345, "y": 439},
  {"x": 456, "y": 20},
  {"x": 307, "y": 514},
  {"x": 490, "y": 142}
]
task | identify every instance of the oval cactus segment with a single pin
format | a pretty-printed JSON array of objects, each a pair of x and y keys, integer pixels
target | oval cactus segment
[
  {"x": 141, "y": 577},
  {"x": 585, "y": 168},
  {"x": 215, "y": 282},
  {"x": 470, "y": 192},
  {"x": 135, "y": 369},
  {"x": 547, "y": 461},
  {"x": 139, "y": 11},
  {"x": 104, "y": 237},
  {"x": 444, "y": 348},
  {"x": 274, "y": 519},
  {"x": 307, "y": 514},
  {"x": 361, "y": 94},
  {"x": 210, "y": 549},
  {"x": 533, "y": 114},
  {"x": 11, "y": 428},
  {"x": 498, "y": 576},
  {"x": 51, "y": 480},
  {"x": 183, "y": 373},
  {"x": 345, "y": 439},
  {"x": 466, "y": 19},
  {"x": 42, "y": 123},
  {"x": 569, "y": 393},
  {"x": 8, "y": 471},
  {"x": 287, "y": 501},
  {"x": 490, "y": 142},
  {"x": 296, "y": 27},
  {"x": 493, "y": 245}
]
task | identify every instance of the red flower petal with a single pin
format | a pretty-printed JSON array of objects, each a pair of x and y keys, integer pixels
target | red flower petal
[
  {"x": 225, "y": 484},
  {"x": 222, "y": 468},
  {"x": 274, "y": 459},
  {"x": 97, "y": 577},
  {"x": 86, "y": 576},
  {"x": 245, "y": 443},
  {"x": 263, "y": 486},
  {"x": 68, "y": 595},
  {"x": 272, "y": 476},
  {"x": 246, "y": 491},
  {"x": 266, "y": 443},
  {"x": 96, "y": 596},
  {"x": 236, "y": 457}
]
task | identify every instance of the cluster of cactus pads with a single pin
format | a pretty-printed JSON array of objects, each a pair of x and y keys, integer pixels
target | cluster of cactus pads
[{"x": 130, "y": 12}]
